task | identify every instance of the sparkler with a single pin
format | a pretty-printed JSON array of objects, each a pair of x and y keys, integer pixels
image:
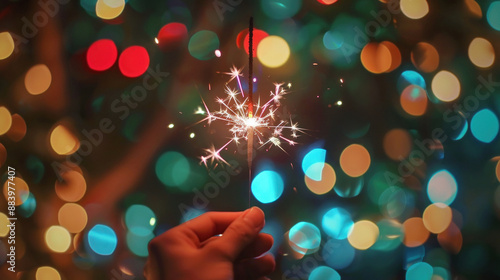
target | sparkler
[{"x": 247, "y": 120}]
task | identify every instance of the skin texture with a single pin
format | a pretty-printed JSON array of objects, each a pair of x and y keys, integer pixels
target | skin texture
[{"x": 195, "y": 251}]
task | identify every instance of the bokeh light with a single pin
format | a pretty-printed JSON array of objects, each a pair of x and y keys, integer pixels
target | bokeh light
[
  {"x": 415, "y": 232},
  {"x": 338, "y": 253},
  {"x": 63, "y": 141},
  {"x": 425, "y": 57},
  {"x": 327, "y": 2},
  {"x": 376, "y": 58},
  {"x": 138, "y": 243},
  {"x": 18, "y": 128},
  {"x": 437, "y": 217},
  {"x": 414, "y": 100},
  {"x": 6, "y": 45},
  {"x": 442, "y": 187},
  {"x": 333, "y": 40},
  {"x": 304, "y": 238},
  {"x": 172, "y": 169},
  {"x": 101, "y": 55},
  {"x": 391, "y": 235},
  {"x": 481, "y": 52},
  {"x": 280, "y": 9},
  {"x": 267, "y": 186},
  {"x": 451, "y": 239},
  {"x": 4, "y": 222},
  {"x": 102, "y": 239},
  {"x": 363, "y": 234},
  {"x": 414, "y": 9},
  {"x": 109, "y": 9},
  {"x": 203, "y": 44},
  {"x": 47, "y": 273},
  {"x": 258, "y": 35},
  {"x": 492, "y": 15},
  {"x": 273, "y": 51},
  {"x": 397, "y": 144},
  {"x": 484, "y": 126},
  {"x": 311, "y": 159},
  {"x": 73, "y": 217},
  {"x": 21, "y": 191},
  {"x": 410, "y": 77},
  {"x": 38, "y": 79},
  {"x": 140, "y": 219},
  {"x": 355, "y": 160},
  {"x": 133, "y": 61},
  {"x": 3, "y": 154},
  {"x": 324, "y": 273},
  {"x": 58, "y": 239},
  {"x": 172, "y": 35},
  {"x": 337, "y": 223},
  {"x": 419, "y": 271},
  {"x": 5, "y": 120},
  {"x": 71, "y": 187},
  {"x": 445, "y": 86},
  {"x": 327, "y": 179}
]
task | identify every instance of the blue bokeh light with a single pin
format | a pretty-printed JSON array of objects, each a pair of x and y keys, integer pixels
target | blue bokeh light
[
  {"x": 310, "y": 164},
  {"x": 304, "y": 238},
  {"x": 324, "y": 273},
  {"x": 493, "y": 15},
  {"x": 267, "y": 186},
  {"x": 484, "y": 126},
  {"x": 102, "y": 240},
  {"x": 410, "y": 77},
  {"x": 338, "y": 254},
  {"x": 419, "y": 271},
  {"x": 337, "y": 223}
]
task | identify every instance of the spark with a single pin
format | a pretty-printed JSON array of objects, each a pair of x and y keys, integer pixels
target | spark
[{"x": 266, "y": 124}]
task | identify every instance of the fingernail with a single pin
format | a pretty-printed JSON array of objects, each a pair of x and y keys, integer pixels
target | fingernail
[{"x": 255, "y": 217}]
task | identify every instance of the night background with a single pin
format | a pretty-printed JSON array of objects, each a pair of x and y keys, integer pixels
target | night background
[{"x": 375, "y": 154}]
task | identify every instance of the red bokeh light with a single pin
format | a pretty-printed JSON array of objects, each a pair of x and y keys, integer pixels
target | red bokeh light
[
  {"x": 171, "y": 35},
  {"x": 327, "y": 2},
  {"x": 258, "y": 35},
  {"x": 101, "y": 55},
  {"x": 134, "y": 61}
]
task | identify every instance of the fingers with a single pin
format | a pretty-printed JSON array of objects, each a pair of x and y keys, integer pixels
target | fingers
[
  {"x": 259, "y": 246},
  {"x": 207, "y": 225},
  {"x": 240, "y": 233},
  {"x": 255, "y": 268}
]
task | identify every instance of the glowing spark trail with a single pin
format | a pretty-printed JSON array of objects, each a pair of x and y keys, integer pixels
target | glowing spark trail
[{"x": 266, "y": 124}]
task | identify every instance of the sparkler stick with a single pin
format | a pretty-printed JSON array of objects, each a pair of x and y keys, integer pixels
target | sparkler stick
[{"x": 250, "y": 108}]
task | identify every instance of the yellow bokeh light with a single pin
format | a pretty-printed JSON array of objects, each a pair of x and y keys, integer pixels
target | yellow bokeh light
[
  {"x": 437, "y": 217},
  {"x": 355, "y": 160},
  {"x": 47, "y": 273},
  {"x": 445, "y": 86},
  {"x": 38, "y": 79},
  {"x": 415, "y": 232},
  {"x": 481, "y": 52},
  {"x": 273, "y": 51},
  {"x": 328, "y": 179},
  {"x": 414, "y": 9},
  {"x": 109, "y": 9},
  {"x": 397, "y": 144},
  {"x": 72, "y": 187},
  {"x": 63, "y": 141},
  {"x": 21, "y": 191},
  {"x": 363, "y": 235},
  {"x": 4, "y": 222},
  {"x": 425, "y": 57},
  {"x": 5, "y": 120},
  {"x": 58, "y": 239},
  {"x": 7, "y": 45},
  {"x": 73, "y": 217}
]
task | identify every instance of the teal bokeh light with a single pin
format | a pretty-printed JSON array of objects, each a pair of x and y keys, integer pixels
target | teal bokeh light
[
  {"x": 203, "y": 44},
  {"x": 324, "y": 273},
  {"x": 313, "y": 163},
  {"x": 280, "y": 9},
  {"x": 419, "y": 271},
  {"x": 267, "y": 186},
  {"x": 337, "y": 223},
  {"x": 102, "y": 240},
  {"x": 304, "y": 237},
  {"x": 338, "y": 254},
  {"x": 140, "y": 219},
  {"x": 333, "y": 40},
  {"x": 172, "y": 169},
  {"x": 484, "y": 126},
  {"x": 410, "y": 77},
  {"x": 493, "y": 15},
  {"x": 138, "y": 244}
]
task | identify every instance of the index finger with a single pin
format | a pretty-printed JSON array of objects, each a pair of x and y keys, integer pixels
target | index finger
[{"x": 207, "y": 225}]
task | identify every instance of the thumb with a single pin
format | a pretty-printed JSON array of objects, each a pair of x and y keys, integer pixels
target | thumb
[{"x": 241, "y": 232}]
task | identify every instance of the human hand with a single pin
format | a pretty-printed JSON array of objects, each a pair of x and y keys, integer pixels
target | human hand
[{"x": 194, "y": 251}]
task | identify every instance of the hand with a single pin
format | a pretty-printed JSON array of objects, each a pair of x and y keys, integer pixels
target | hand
[{"x": 213, "y": 246}]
